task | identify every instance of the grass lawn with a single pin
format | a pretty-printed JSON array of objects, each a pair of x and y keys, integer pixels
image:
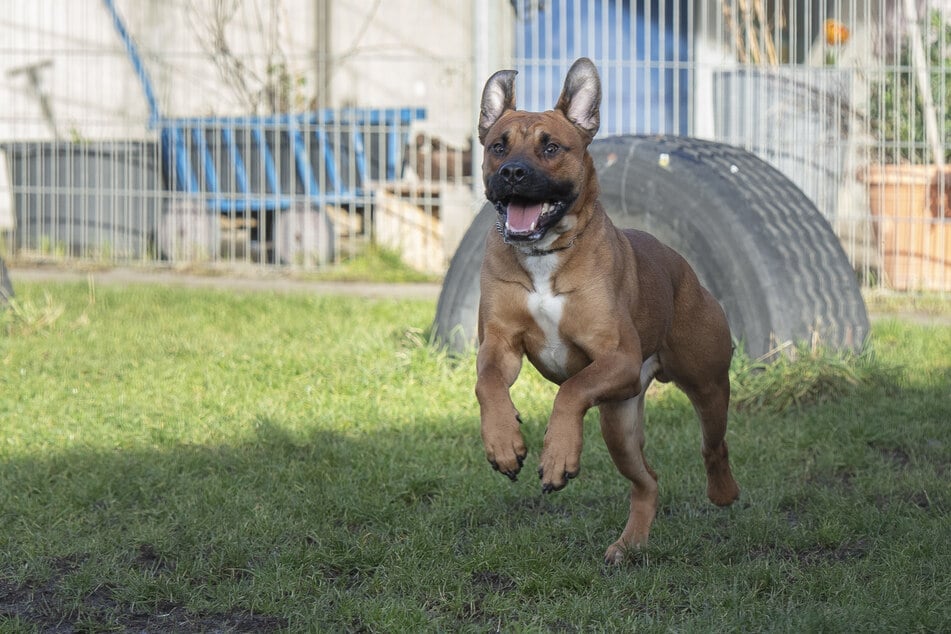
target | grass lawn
[{"x": 176, "y": 460}]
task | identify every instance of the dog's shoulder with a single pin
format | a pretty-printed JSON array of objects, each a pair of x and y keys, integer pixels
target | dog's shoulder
[
  {"x": 650, "y": 251},
  {"x": 659, "y": 267}
]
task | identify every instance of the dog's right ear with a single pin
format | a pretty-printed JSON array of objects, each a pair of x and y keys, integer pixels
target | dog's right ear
[
  {"x": 580, "y": 98},
  {"x": 497, "y": 97}
]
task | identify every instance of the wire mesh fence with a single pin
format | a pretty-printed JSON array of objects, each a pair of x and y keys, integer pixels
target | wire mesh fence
[{"x": 295, "y": 134}]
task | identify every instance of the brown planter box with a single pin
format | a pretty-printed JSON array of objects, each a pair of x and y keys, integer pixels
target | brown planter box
[{"x": 911, "y": 212}]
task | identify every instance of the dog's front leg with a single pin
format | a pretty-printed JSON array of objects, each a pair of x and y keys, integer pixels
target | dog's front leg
[
  {"x": 614, "y": 376},
  {"x": 498, "y": 365}
]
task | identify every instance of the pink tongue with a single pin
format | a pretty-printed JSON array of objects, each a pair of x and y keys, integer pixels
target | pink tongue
[{"x": 522, "y": 218}]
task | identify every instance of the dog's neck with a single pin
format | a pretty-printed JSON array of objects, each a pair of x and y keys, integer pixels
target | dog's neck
[{"x": 533, "y": 251}]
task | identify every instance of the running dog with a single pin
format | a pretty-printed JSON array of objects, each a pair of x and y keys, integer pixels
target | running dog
[{"x": 600, "y": 311}]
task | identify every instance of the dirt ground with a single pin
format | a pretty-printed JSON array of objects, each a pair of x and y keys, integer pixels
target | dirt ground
[{"x": 254, "y": 280}]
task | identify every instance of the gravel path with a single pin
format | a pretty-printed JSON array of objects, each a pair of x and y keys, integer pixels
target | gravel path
[
  {"x": 257, "y": 281},
  {"x": 266, "y": 280}
]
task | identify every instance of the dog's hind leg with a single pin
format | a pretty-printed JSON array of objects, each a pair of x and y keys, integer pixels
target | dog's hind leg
[
  {"x": 622, "y": 425},
  {"x": 711, "y": 403}
]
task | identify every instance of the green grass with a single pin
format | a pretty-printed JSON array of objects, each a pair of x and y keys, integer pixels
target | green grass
[
  {"x": 372, "y": 264},
  {"x": 931, "y": 305},
  {"x": 193, "y": 460},
  {"x": 806, "y": 374}
]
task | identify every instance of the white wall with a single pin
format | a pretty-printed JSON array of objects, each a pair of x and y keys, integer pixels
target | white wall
[
  {"x": 90, "y": 91},
  {"x": 385, "y": 53},
  {"x": 406, "y": 52}
]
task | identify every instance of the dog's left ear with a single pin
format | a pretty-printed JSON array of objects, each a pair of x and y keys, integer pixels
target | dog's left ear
[
  {"x": 497, "y": 97},
  {"x": 580, "y": 98}
]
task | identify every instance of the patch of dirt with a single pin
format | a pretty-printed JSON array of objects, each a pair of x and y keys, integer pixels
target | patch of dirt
[
  {"x": 493, "y": 581},
  {"x": 816, "y": 554},
  {"x": 920, "y": 499},
  {"x": 896, "y": 456},
  {"x": 150, "y": 560},
  {"x": 483, "y": 583},
  {"x": 179, "y": 620},
  {"x": 838, "y": 479},
  {"x": 350, "y": 577},
  {"x": 826, "y": 554},
  {"x": 251, "y": 280},
  {"x": 45, "y": 607}
]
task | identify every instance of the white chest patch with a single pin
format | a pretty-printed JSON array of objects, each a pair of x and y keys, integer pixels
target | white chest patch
[{"x": 546, "y": 309}]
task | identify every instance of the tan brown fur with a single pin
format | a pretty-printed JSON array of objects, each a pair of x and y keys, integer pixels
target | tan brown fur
[{"x": 623, "y": 299}]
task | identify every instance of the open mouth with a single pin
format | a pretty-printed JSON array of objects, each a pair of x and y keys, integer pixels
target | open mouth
[{"x": 528, "y": 221}]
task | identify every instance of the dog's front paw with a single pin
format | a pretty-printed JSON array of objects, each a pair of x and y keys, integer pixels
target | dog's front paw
[
  {"x": 560, "y": 460},
  {"x": 555, "y": 478},
  {"x": 505, "y": 449}
]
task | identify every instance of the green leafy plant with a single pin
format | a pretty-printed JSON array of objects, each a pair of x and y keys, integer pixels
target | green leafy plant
[{"x": 896, "y": 109}]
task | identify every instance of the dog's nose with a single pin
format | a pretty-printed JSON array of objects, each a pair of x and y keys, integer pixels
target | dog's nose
[{"x": 514, "y": 171}]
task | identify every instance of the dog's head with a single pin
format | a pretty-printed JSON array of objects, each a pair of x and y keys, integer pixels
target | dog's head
[{"x": 535, "y": 165}]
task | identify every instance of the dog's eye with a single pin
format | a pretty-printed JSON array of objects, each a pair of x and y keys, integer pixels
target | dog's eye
[
  {"x": 498, "y": 149},
  {"x": 551, "y": 149}
]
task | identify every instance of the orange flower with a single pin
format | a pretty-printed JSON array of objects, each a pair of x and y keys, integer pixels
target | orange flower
[{"x": 836, "y": 32}]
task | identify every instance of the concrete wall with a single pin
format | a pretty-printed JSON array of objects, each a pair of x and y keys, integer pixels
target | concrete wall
[{"x": 268, "y": 55}]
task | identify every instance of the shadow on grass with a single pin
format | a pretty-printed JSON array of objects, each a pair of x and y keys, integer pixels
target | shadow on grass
[
  {"x": 334, "y": 529},
  {"x": 195, "y": 538}
]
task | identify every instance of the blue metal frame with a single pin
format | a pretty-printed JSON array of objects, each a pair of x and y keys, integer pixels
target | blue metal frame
[
  {"x": 191, "y": 168},
  {"x": 133, "y": 54},
  {"x": 189, "y": 162}
]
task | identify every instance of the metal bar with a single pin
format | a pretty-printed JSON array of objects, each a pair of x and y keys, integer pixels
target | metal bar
[
  {"x": 240, "y": 173},
  {"x": 303, "y": 168},
  {"x": 208, "y": 161},
  {"x": 270, "y": 172},
  {"x": 137, "y": 65}
]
